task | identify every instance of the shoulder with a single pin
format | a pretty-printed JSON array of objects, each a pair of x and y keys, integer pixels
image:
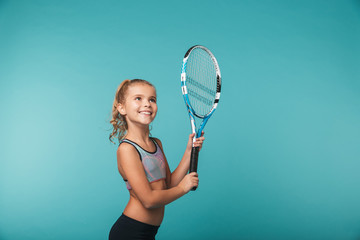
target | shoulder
[
  {"x": 125, "y": 146},
  {"x": 126, "y": 150}
]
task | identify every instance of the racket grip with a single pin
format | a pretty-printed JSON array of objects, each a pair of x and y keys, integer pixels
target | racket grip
[{"x": 194, "y": 161}]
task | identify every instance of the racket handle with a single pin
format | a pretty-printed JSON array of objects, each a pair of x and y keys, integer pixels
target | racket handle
[{"x": 194, "y": 161}]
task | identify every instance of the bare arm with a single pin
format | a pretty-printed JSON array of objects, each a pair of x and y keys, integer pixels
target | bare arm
[
  {"x": 180, "y": 172},
  {"x": 130, "y": 163}
]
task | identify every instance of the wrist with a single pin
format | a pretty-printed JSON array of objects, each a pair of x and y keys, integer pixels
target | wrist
[{"x": 181, "y": 189}]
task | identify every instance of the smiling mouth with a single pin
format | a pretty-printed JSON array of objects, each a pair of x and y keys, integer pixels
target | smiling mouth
[{"x": 146, "y": 113}]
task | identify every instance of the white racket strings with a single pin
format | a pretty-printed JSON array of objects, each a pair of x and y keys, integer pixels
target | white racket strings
[{"x": 201, "y": 81}]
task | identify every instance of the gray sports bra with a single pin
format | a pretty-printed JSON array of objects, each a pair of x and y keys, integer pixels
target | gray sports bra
[{"x": 153, "y": 162}]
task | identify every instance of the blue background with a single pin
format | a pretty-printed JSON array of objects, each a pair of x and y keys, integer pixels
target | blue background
[{"x": 281, "y": 158}]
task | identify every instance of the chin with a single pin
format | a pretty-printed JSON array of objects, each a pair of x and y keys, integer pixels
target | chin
[{"x": 146, "y": 122}]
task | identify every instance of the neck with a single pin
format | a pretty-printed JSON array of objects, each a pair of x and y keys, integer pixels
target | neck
[{"x": 138, "y": 133}]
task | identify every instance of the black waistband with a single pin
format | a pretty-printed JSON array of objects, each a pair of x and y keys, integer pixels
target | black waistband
[
  {"x": 129, "y": 228},
  {"x": 138, "y": 222}
]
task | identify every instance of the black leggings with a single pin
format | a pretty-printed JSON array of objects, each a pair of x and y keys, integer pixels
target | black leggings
[{"x": 131, "y": 229}]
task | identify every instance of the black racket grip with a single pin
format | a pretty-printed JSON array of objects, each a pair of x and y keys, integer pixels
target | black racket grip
[{"x": 194, "y": 161}]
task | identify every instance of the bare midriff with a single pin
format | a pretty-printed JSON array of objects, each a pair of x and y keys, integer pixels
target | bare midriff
[{"x": 153, "y": 216}]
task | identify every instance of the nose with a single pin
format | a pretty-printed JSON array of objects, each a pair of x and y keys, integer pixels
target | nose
[{"x": 147, "y": 103}]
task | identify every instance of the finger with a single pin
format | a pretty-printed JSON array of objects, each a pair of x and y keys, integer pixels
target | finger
[
  {"x": 201, "y": 139},
  {"x": 199, "y": 142},
  {"x": 198, "y": 145}
]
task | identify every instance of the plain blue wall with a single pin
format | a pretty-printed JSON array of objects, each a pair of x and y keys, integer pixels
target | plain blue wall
[{"x": 281, "y": 158}]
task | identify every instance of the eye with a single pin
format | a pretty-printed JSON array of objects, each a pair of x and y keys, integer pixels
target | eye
[
  {"x": 138, "y": 98},
  {"x": 153, "y": 100}
]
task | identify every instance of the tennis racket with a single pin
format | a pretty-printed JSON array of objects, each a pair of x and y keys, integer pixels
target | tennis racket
[{"x": 201, "y": 86}]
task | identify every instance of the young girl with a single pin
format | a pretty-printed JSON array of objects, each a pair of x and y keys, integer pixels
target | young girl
[{"x": 142, "y": 163}]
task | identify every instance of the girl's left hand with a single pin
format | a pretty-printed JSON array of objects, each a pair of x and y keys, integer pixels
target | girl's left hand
[{"x": 198, "y": 142}]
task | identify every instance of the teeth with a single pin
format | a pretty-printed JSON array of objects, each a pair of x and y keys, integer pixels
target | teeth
[{"x": 147, "y": 113}]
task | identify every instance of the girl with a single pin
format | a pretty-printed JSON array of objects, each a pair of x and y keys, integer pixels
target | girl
[{"x": 142, "y": 163}]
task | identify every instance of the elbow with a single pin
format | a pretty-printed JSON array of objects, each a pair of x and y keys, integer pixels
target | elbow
[
  {"x": 146, "y": 203},
  {"x": 149, "y": 205}
]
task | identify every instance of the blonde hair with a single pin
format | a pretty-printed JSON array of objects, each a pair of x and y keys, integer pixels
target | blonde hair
[{"x": 117, "y": 120}]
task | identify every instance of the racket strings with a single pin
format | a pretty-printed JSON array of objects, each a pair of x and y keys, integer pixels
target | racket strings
[{"x": 201, "y": 81}]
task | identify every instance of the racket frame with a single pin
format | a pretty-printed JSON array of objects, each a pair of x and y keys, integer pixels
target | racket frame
[{"x": 191, "y": 112}]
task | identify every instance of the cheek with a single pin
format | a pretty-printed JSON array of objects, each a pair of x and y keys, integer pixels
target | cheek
[{"x": 134, "y": 104}]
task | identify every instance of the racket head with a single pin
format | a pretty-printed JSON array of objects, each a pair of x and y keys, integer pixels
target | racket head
[{"x": 200, "y": 81}]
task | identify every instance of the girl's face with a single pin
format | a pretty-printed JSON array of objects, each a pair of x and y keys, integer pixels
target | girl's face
[{"x": 140, "y": 104}]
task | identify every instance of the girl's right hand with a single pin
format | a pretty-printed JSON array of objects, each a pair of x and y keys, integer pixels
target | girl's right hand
[
  {"x": 198, "y": 142},
  {"x": 189, "y": 181}
]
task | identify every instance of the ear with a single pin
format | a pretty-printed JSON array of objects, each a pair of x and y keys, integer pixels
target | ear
[{"x": 121, "y": 109}]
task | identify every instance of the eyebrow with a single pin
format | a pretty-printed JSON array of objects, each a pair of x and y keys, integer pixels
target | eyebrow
[{"x": 142, "y": 95}]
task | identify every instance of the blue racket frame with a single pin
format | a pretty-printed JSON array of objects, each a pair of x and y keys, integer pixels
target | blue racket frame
[{"x": 191, "y": 112}]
